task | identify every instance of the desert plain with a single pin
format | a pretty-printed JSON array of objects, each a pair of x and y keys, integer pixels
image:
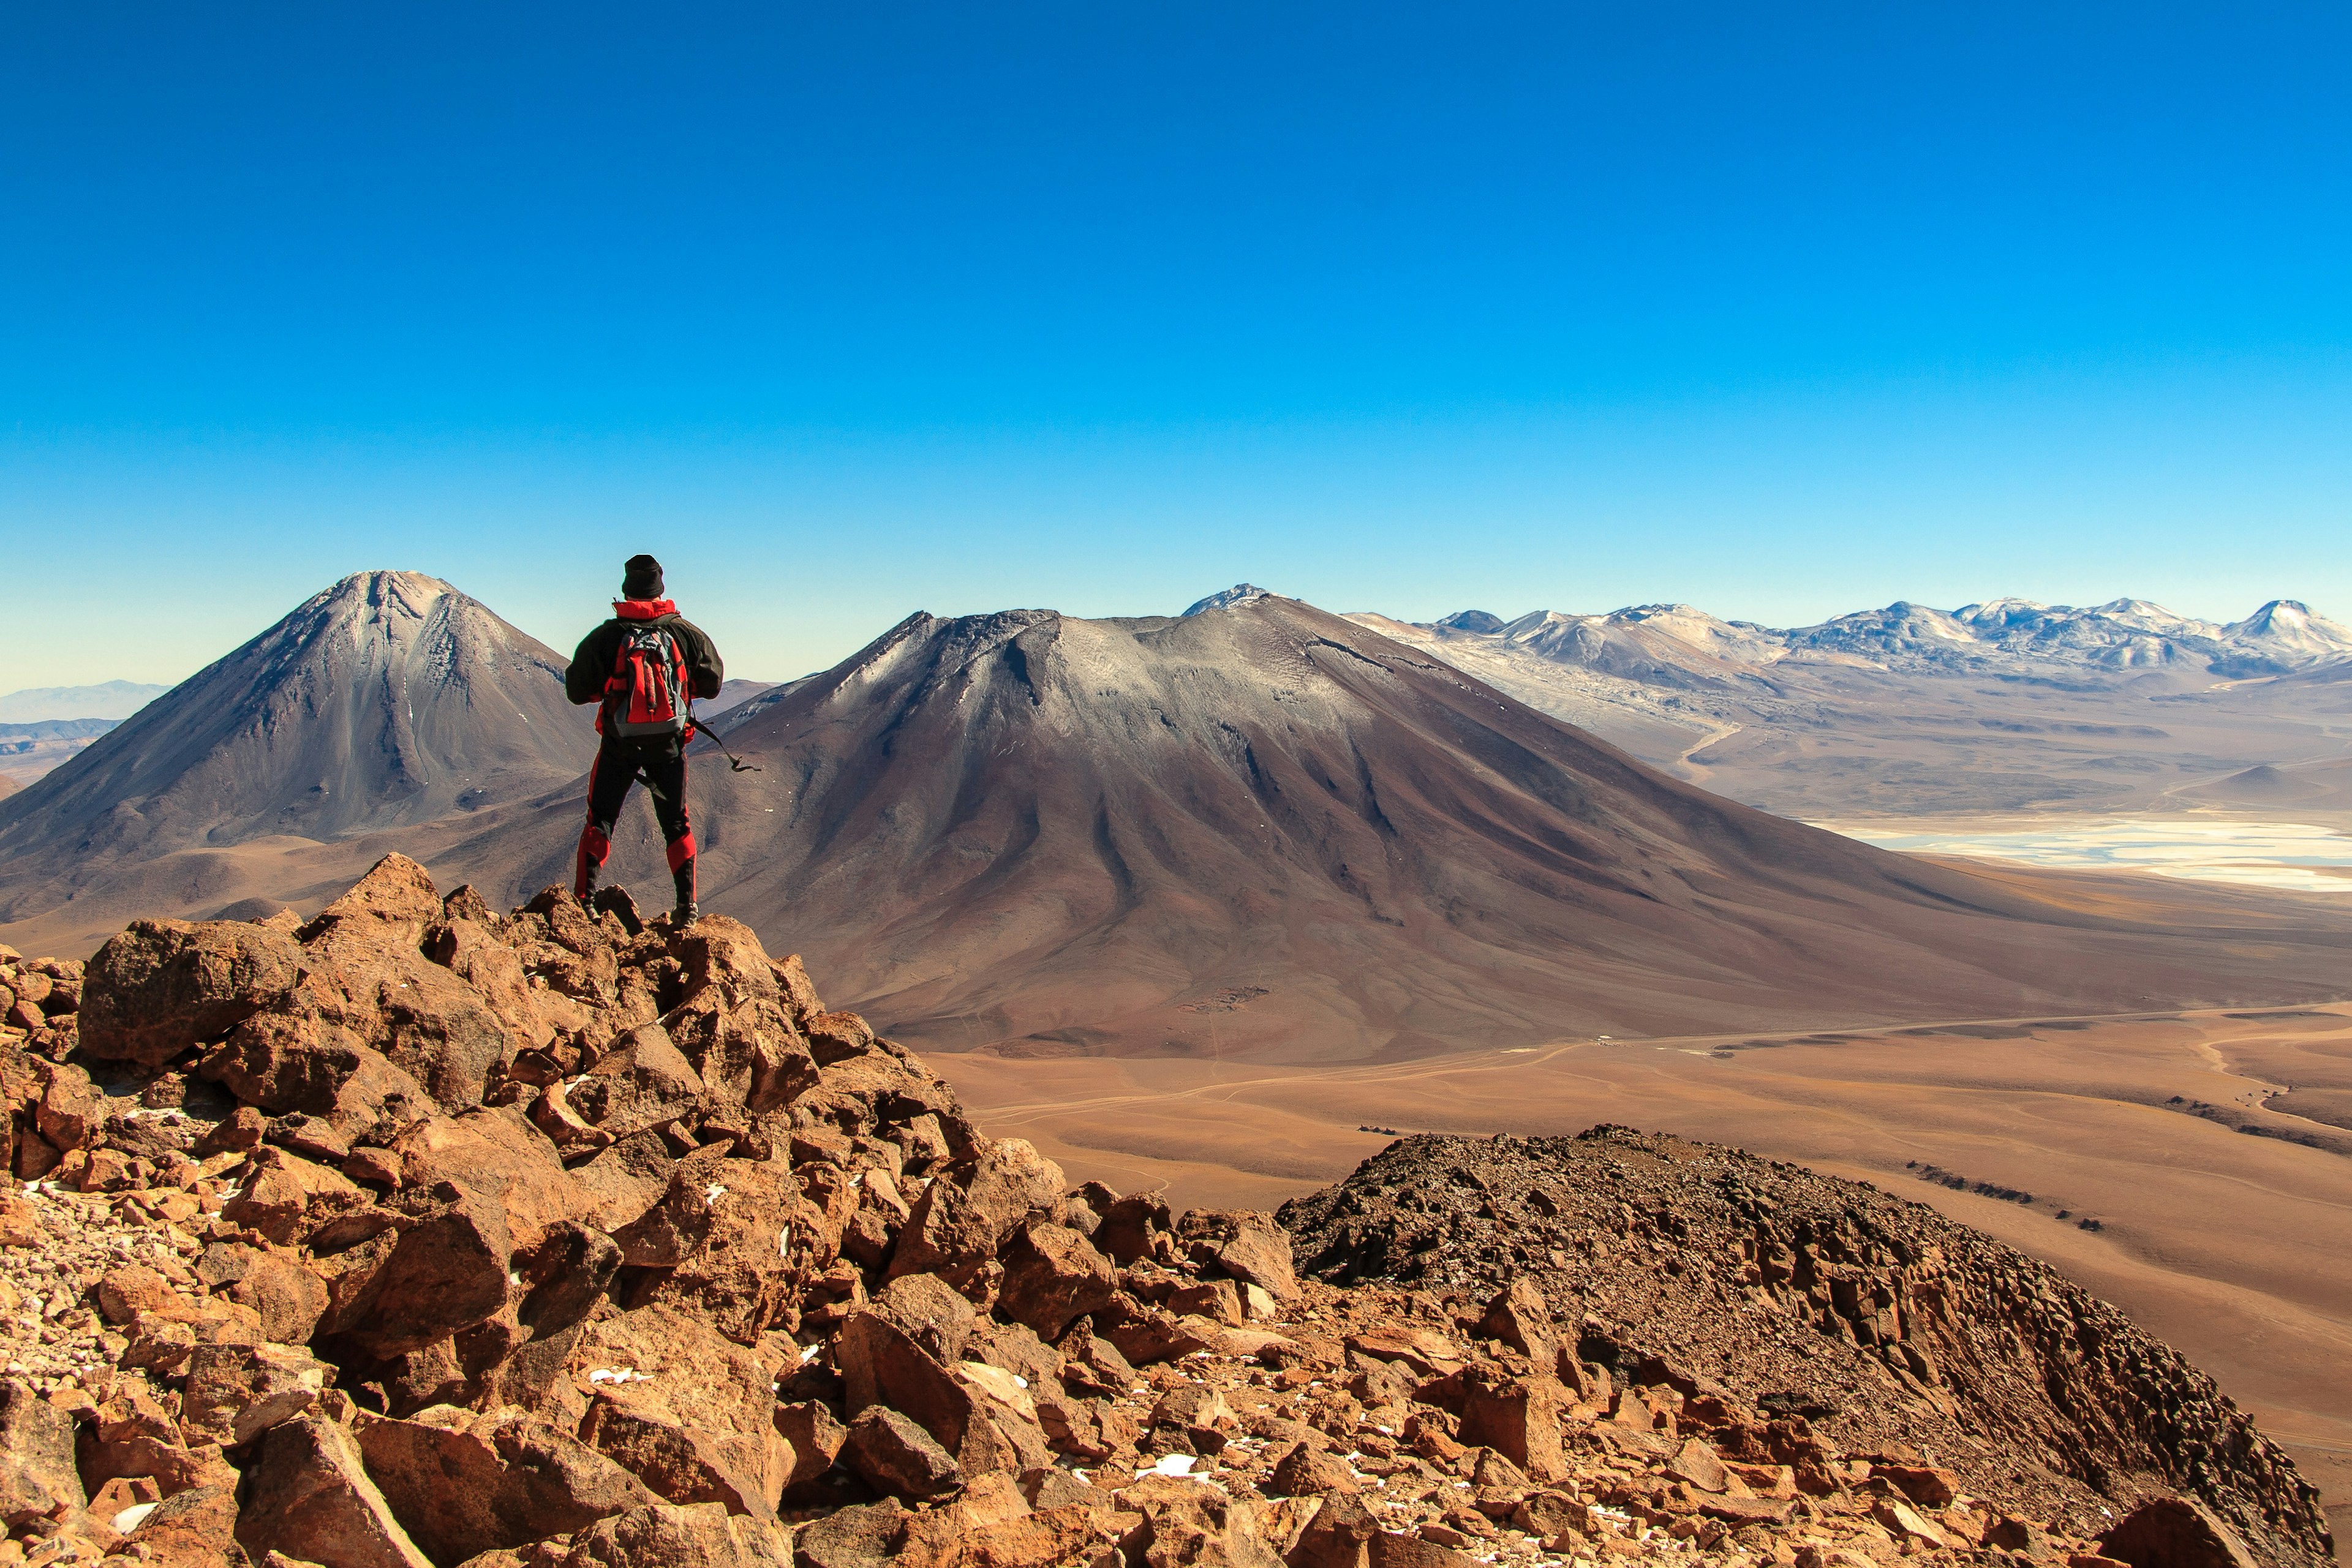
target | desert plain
[{"x": 2212, "y": 1150}]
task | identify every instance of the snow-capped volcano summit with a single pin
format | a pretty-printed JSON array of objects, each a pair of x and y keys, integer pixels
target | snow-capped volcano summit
[{"x": 1239, "y": 594}]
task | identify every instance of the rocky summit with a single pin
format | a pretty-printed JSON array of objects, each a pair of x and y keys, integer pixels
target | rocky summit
[{"x": 423, "y": 1234}]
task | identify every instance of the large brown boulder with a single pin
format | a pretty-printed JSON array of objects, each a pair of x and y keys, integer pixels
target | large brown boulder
[
  {"x": 966, "y": 1212},
  {"x": 1184, "y": 1521},
  {"x": 192, "y": 1528},
  {"x": 73, "y": 1112},
  {"x": 688, "y": 1411},
  {"x": 1519, "y": 1417},
  {"x": 750, "y": 1270},
  {"x": 904, "y": 1351},
  {"x": 1250, "y": 1247},
  {"x": 285, "y": 1296},
  {"x": 667, "y": 1536},
  {"x": 164, "y": 987},
  {"x": 424, "y": 1277},
  {"x": 462, "y": 1482},
  {"x": 898, "y": 1458},
  {"x": 641, "y": 1083},
  {"x": 294, "y": 1056},
  {"x": 624, "y": 1181},
  {"x": 674, "y": 1227},
  {"x": 495, "y": 1154},
  {"x": 1521, "y": 1318},
  {"x": 867, "y": 1536},
  {"x": 746, "y": 1052},
  {"x": 235, "y": 1393},
  {"x": 37, "y": 1457},
  {"x": 1053, "y": 1276},
  {"x": 2175, "y": 1533},
  {"x": 311, "y": 1498},
  {"x": 286, "y": 1197},
  {"x": 1132, "y": 1227},
  {"x": 368, "y": 974},
  {"x": 871, "y": 1093},
  {"x": 723, "y": 955},
  {"x": 389, "y": 906}
]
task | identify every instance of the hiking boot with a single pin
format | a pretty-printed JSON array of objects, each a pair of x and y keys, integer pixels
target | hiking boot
[{"x": 683, "y": 916}]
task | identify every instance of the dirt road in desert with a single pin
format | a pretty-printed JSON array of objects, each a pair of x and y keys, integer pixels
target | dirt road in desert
[{"x": 2210, "y": 1151}]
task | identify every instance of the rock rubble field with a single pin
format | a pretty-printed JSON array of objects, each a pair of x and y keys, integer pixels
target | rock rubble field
[{"x": 421, "y": 1234}]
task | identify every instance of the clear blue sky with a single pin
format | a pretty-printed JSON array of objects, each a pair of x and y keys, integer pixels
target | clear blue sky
[{"x": 850, "y": 310}]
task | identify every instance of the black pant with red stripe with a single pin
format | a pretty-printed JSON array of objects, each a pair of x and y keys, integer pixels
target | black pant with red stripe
[{"x": 663, "y": 773}]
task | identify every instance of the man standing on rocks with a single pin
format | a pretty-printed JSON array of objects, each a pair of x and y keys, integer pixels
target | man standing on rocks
[{"x": 642, "y": 668}]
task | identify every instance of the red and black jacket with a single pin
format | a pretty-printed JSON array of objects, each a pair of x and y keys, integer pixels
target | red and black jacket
[{"x": 592, "y": 665}]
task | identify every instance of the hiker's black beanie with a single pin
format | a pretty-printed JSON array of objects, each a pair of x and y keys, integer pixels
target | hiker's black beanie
[{"x": 642, "y": 578}]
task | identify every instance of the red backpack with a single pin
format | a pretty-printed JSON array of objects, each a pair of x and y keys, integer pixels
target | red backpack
[{"x": 647, "y": 692}]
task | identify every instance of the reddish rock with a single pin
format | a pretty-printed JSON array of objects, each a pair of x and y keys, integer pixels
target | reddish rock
[
  {"x": 436, "y": 1028},
  {"x": 815, "y": 1435},
  {"x": 235, "y": 1393},
  {"x": 937, "y": 1319},
  {"x": 192, "y": 1528},
  {"x": 423, "y": 1277},
  {"x": 311, "y": 1498},
  {"x": 1217, "y": 1300},
  {"x": 389, "y": 906},
  {"x": 1305, "y": 1471},
  {"x": 1425, "y": 1351},
  {"x": 1923, "y": 1484},
  {"x": 624, "y": 1181},
  {"x": 287, "y": 1298},
  {"x": 495, "y": 1154},
  {"x": 1413, "y": 1551},
  {"x": 38, "y": 1474},
  {"x": 1053, "y": 1276},
  {"x": 1517, "y": 1416},
  {"x": 1521, "y": 1319},
  {"x": 675, "y": 1227},
  {"x": 861, "y": 1537},
  {"x": 751, "y": 1272},
  {"x": 132, "y": 1436},
  {"x": 641, "y": 1083},
  {"x": 1130, "y": 1226},
  {"x": 2175, "y": 1533},
  {"x": 1249, "y": 1247},
  {"x": 836, "y": 1037},
  {"x": 563, "y": 1277},
  {"x": 463, "y": 1482},
  {"x": 724, "y": 955},
  {"x": 164, "y": 987},
  {"x": 1187, "y": 1522},
  {"x": 665, "y": 1535},
  {"x": 125, "y": 1292},
  {"x": 897, "y": 1456},
  {"x": 72, "y": 1112},
  {"x": 885, "y": 1355},
  {"x": 293, "y": 1057},
  {"x": 1696, "y": 1463},
  {"x": 1015, "y": 1348},
  {"x": 968, "y": 1210},
  {"x": 286, "y": 1197},
  {"x": 685, "y": 1410}
]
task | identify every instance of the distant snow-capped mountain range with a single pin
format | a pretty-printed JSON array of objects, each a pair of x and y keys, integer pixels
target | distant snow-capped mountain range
[{"x": 1664, "y": 642}]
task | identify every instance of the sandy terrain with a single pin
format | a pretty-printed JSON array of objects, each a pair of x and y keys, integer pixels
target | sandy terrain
[{"x": 2236, "y": 1247}]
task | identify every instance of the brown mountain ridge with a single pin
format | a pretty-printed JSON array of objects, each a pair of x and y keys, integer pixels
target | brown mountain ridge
[
  {"x": 1267, "y": 830},
  {"x": 1260, "y": 830}
]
